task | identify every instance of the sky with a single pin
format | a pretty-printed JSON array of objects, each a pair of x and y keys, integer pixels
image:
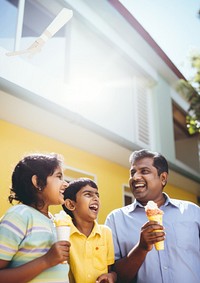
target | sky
[{"x": 173, "y": 24}]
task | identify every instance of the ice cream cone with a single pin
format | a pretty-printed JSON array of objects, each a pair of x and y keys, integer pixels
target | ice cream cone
[
  {"x": 159, "y": 245},
  {"x": 155, "y": 214},
  {"x": 62, "y": 222},
  {"x": 63, "y": 233}
]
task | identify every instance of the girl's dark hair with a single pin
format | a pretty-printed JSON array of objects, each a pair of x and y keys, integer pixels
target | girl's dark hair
[
  {"x": 41, "y": 165},
  {"x": 159, "y": 161},
  {"x": 73, "y": 188}
]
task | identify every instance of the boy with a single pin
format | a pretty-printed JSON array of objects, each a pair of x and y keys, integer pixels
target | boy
[{"x": 92, "y": 251}]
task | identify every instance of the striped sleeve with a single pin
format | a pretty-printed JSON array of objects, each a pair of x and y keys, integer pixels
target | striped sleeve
[{"x": 11, "y": 235}]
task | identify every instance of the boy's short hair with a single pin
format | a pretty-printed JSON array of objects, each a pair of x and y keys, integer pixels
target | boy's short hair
[{"x": 73, "y": 188}]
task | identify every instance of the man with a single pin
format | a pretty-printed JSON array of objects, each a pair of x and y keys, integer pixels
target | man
[{"x": 136, "y": 259}]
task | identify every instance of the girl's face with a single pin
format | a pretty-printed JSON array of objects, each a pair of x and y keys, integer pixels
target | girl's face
[{"x": 53, "y": 192}]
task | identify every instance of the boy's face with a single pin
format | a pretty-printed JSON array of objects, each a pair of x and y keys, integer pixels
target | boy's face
[{"x": 87, "y": 204}]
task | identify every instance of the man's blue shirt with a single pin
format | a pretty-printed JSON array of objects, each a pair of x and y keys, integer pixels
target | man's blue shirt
[{"x": 179, "y": 262}]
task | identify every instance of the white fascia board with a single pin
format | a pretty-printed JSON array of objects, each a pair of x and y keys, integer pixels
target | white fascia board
[
  {"x": 106, "y": 30},
  {"x": 179, "y": 100}
]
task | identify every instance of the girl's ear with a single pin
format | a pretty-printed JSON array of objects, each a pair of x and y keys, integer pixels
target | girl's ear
[
  {"x": 34, "y": 180},
  {"x": 69, "y": 204}
]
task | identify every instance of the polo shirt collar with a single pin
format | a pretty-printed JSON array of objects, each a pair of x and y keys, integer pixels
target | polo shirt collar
[{"x": 96, "y": 229}]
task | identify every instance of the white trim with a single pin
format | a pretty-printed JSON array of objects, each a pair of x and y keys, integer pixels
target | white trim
[
  {"x": 179, "y": 100},
  {"x": 81, "y": 171},
  {"x": 20, "y": 19}
]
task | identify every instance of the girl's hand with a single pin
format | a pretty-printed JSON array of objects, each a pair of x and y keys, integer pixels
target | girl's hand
[
  {"x": 58, "y": 253},
  {"x": 110, "y": 277}
]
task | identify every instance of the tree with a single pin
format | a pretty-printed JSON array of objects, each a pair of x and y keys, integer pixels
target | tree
[{"x": 191, "y": 91}]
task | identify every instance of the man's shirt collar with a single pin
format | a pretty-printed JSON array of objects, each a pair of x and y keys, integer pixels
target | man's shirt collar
[{"x": 168, "y": 201}]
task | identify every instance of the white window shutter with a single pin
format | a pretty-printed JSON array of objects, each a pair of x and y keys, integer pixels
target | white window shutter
[{"x": 142, "y": 113}]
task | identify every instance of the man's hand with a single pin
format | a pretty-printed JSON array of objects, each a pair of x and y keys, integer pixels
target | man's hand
[{"x": 149, "y": 236}]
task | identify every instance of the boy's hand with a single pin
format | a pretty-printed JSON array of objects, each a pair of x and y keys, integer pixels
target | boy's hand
[{"x": 110, "y": 277}]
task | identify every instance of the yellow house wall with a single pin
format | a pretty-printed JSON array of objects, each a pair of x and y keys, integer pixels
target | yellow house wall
[
  {"x": 178, "y": 193},
  {"x": 15, "y": 142}
]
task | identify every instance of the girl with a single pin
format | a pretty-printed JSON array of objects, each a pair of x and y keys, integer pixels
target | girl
[{"x": 28, "y": 248}]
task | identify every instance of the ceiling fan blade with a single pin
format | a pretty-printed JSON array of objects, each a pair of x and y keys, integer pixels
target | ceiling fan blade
[
  {"x": 15, "y": 53},
  {"x": 60, "y": 20}
]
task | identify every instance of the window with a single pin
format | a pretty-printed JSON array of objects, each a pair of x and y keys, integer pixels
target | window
[
  {"x": 183, "y": 140},
  {"x": 128, "y": 197},
  {"x": 8, "y": 23},
  {"x": 180, "y": 128}
]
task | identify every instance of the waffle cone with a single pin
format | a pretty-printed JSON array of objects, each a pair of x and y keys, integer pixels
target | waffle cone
[{"x": 158, "y": 217}]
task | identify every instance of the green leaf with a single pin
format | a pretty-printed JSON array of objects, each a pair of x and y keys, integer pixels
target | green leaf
[{"x": 191, "y": 91}]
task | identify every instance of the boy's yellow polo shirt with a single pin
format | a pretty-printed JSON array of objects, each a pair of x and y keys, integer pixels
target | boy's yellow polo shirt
[{"x": 90, "y": 257}]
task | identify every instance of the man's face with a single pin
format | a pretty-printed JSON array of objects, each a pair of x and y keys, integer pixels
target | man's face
[{"x": 144, "y": 181}]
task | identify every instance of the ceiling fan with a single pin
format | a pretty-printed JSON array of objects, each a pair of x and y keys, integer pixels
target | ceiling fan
[{"x": 60, "y": 20}]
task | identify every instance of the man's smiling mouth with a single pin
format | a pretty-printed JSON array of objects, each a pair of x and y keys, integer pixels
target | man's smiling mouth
[{"x": 139, "y": 186}]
